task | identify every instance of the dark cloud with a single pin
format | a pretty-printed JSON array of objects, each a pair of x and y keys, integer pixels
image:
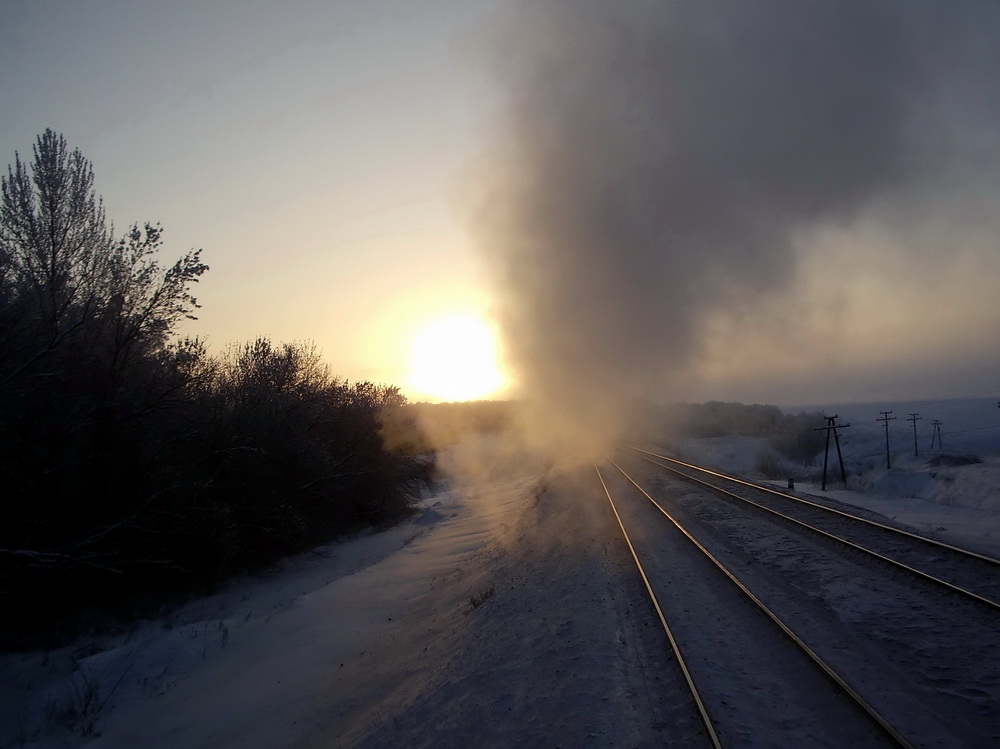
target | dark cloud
[{"x": 660, "y": 163}]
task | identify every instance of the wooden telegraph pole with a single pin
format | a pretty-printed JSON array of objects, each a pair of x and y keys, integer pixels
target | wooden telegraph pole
[
  {"x": 937, "y": 433},
  {"x": 832, "y": 426},
  {"x": 885, "y": 417},
  {"x": 915, "y": 418}
]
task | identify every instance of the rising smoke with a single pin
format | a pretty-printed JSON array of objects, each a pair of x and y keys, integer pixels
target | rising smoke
[{"x": 662, "y": 170}]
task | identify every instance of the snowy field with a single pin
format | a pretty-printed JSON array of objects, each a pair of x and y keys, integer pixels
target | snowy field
[
  {"x": 952, "y": 494},
  {"x": 500, "y": 614}
]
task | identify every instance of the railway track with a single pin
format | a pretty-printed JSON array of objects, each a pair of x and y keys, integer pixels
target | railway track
[
  {"x": 923, "y": 653},
  {"x": 965, "y": 573},
  {"x": 753, "y": 680}
]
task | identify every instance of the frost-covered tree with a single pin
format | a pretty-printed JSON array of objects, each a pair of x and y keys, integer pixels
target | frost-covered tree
[
  {"x": 131, "y": 459},
  {"x": 63, "y": 274},
  {"x": 53, "y": 235},
  {"x": 88, "y": 366}
]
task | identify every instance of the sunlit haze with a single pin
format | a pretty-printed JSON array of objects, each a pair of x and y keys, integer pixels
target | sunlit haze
[
  {"x": 456, "y": 358},
  {"x": 670, "y": 204}
]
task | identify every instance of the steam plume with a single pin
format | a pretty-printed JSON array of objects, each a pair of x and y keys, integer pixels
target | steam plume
[{"x": 662, "y": 166}]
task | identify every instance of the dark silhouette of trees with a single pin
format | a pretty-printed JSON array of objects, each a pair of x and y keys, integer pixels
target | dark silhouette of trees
[
  {"x": 86, "y": 364},
  {"x": 131, "y": 459},
  {"x": 791, "y": 435},
  {"x": 421, "y": 428}
]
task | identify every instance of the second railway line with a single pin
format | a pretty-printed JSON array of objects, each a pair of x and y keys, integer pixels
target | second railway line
[
  {"x": 968, "y": 573},
  {"x": 929, "y": 661}
]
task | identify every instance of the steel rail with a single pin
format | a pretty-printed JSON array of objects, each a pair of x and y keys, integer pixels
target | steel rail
[
  {"x": 896, "y": 563},
  {"x": 860, "y": 701},
  {"x": 674, "y": 645},
  {"x": 768, "y": 490}
]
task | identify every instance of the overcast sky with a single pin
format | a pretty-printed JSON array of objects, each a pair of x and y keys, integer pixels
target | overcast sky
[{"x": 323, "y": 155}]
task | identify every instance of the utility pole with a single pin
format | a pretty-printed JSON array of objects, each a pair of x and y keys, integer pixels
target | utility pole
[
  {"x": 914, "y": 418},
  {"x": 832, "y": 426},
  {"x": 937, "y": 433},
  {"x": 885, "y": 417}
]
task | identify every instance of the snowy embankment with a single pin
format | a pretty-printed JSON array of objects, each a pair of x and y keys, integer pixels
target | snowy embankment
[
  {"x": 500, "y": 613},
  {"x": 950, "y": 493}
]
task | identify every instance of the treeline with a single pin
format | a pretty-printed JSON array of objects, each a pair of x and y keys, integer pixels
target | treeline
[
  {"x": 133, "y": 461},
  {"x": 422, "y": 428},
  {"x": 791, "y": 435}
]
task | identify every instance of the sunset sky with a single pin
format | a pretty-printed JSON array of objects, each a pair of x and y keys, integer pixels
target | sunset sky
[
  {"x": 314, "y": 154},
  {"x": 322, "y": 154}
]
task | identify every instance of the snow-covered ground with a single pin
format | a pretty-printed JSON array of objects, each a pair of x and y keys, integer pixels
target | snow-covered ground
[
  {"x": 501, "y": 614},
  {"x": 497, "y": 615},
  {"x": 952, "y": 494}
]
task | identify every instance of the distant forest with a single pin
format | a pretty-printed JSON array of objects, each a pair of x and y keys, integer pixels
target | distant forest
[
  {"x": 422, "y": 428},
  {"x": 793, "y": 436},
  {"x": 419, "y": 427},
  {"x": 133, "y": 463}
]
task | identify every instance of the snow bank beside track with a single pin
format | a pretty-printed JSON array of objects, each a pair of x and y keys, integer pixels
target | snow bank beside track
[
  {"x": 501, "y": 614},
  {"x": 950, "y": 496}
]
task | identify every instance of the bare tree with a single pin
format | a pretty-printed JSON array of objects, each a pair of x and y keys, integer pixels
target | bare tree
[
  {"x": 130, "y": 458},
  {"x": 53, "y": 233},
  {"x": 64, "y": 272},
  {"x": 86, "y": 360}
]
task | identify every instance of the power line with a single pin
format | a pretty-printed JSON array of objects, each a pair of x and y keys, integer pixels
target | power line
[
  {"x": 974, "y": 429},
  {"x": 949, "y": 398}
]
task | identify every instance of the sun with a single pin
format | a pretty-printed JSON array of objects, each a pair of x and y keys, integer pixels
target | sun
[{"x": 455, "y": 358}]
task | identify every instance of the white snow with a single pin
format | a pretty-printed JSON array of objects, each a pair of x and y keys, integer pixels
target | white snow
[
  {"x": 487, "y": 618},
  {"x": 473, "y": 621},
  {"x": 958, "y": 504}
]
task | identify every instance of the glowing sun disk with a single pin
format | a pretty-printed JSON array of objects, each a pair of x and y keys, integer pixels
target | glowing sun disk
[{"x": 455, "y": 358}]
